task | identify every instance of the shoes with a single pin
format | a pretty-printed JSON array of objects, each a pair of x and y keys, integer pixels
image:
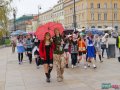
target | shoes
[
  {"x": 72, "y": 66},
  {"x": 94, "y": 66},
  {"x": 59, "y": 79},
  {"x": 85, "y": 67},
  {"x": 48, "y": 80},
  {"x": 88, "y": 65},
  {"x": 38, "y": 67},
  {"x": 101, "y": 61},
  {"x": 67, "y": 66}
]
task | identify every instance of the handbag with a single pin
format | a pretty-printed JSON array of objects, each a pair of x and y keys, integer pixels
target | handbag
[
  {"x": 103, "y": 46},
  {"x": 40, "y": 61}
]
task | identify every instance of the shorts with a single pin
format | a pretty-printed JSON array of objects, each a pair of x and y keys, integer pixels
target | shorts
[
  {"x": 66, "y": 50},
  {"x": 48, "y": 61},
  {"x": 81, "y": 53},
  {"x": 29, "y": 50},
  {"x": 36, "y": 53}
]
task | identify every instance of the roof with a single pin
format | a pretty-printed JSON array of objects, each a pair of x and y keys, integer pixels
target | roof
[{"x": 24, "y": 18}]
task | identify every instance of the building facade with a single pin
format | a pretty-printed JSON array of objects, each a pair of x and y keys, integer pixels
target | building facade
[
  {"x": 46, "y": 17},
  {"x": 93, "y": 13},
  {"x": 58, "y": 12}
]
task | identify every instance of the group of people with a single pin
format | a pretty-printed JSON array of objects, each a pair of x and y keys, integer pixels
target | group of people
[{"x": 59, "y": 48}]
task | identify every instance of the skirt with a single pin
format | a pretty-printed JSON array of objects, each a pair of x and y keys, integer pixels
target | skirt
[
  {"x": 20, "y": 49},
  {"x": 90, "y": 52}
]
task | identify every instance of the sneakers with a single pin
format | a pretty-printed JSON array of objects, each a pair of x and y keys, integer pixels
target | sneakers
[
  {"x": 94, "y": 66},
  {"x": 48, "y": 80},
  {"x": 85, "y": 67},
  {"x": 72, "y": 66}
]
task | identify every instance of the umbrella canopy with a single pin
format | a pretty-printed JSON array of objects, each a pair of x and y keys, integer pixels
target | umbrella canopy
[
  {"x": 94, "y": 31},
  {"x": 49, "y": 27},
  {"x": 18, "y": 32}
]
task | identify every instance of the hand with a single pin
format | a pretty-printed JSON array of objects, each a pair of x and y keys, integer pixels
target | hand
[{"x": 51, "y": 40}]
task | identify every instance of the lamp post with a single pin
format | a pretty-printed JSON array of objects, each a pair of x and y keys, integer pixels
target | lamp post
[
  {"x": 39, "y": 8},
  {"x": 74, "y": 17},
  {"x": 14, "y": 15}
]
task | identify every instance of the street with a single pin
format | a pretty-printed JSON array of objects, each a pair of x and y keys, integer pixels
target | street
[{"x": 26, "y": 77}]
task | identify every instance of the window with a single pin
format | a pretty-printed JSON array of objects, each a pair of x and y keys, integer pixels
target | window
[
  {"x": 116, "y": 27},
  {"x": 98, "y": 5},
  {"x": 92, "y": 5},
  {"x": 115, "y": 5},
  {"x": 99, "y": 16},
  {"x": 105, "y": 5},
  {"x": 92, "y": 16},
  {"x": 105, "y": 16},
  {"x": 115, "y": 16},
  {"x": 92, "y": 26}
]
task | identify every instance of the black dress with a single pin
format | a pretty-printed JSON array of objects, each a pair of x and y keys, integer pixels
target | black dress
[{"x": 47, "y": 61}]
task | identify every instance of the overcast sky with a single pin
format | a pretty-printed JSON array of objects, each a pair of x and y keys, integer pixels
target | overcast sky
[{"x": 31, "y": 6}]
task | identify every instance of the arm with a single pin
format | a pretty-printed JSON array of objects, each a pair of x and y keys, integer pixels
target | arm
[{"x": 117, "y": 42}]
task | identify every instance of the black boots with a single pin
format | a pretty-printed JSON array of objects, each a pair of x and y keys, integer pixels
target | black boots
[{"x": 47, "y": 77}]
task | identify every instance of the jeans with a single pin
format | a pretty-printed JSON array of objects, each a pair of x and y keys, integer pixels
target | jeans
[
  {"x": 107, "y": 52},
  {"x": 74, "y": 58}
]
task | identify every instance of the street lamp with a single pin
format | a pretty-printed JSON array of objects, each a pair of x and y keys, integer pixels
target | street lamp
[
  {"x": 14, "y": 15},
  {"x": 74, "y": 17},
  {"x": 39, "y": 8}
]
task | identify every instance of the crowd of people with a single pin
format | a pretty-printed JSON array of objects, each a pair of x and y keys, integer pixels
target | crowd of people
[{"x": 63, "y": 48}]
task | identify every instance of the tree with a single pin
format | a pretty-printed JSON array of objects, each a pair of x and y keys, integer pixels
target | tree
[{"x": 5, "y": 9}]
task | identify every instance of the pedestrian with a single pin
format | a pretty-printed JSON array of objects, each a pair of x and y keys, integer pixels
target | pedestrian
[
  {"x": 90, "y": 50},
  {"x": 13, "y": 43},
  {"x": 104, "y": 45},
  {"x": 97, "y": 44},
  {"x": 29, "y": 46},
  {"x": 59, "y": 54},
  {"x": 20, "y": 48},
  {"x": 118, "y": 42},
  {"x": 82, "y": 50},
  {"x": 74, "y": 51},
  {"x": 36, "y": 43},
  {"x": 66, "y": 50},
  {"x": 46, "y": 49}
]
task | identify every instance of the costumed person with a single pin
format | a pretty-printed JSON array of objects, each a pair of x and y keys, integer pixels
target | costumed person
[
  {"x": 29, "y": 46},
  {"x": 59, "y": 55},
  {"x": 46, "y": 49},
  {"x": 118, "y": 42},
  {"x": 66, "y": 50},
  {"x": 90, "y": 50},
  {"x": 20, "y": 49},
  {"x": 82, "y": 50},
  {"x": 104, "y": 45},
  {"x": 73, "y": 51},
  {"x": 97, "y": 44},
  {"x": 36, "y": 43}
]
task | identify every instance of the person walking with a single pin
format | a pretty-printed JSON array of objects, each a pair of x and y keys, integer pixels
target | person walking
[
  {"x": 90, "y": 50},
  {"x": 29, "y": 46},
  {"x": 13, "y": 43},
  {"x": 46, "y": 49},
  {"x": 82, "y": 50},
  {"x": 97, "y": 44},
  {"x": 66, "y": 50},
  {"x": 118, "y": 42},
  {"x": 36, "y": 43},
  {"x": 20, "y": 48},
  {"x": 104, "y": 45},
  {"x": 74, "y": 51},
  {"x": 59, "y": 55}
]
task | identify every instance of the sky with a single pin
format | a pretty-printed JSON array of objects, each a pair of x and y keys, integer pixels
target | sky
[{"x": 25, "y": 7}]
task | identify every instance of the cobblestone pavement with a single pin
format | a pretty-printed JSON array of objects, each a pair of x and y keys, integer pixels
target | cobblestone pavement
[{"x": 26, "y": 77}]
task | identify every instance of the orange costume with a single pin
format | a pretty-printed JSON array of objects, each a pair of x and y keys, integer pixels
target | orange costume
[{"x": 81, "y": 46}]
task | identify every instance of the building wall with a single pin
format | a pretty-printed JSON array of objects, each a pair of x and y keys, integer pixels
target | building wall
[{"x": 84, "y": 11}]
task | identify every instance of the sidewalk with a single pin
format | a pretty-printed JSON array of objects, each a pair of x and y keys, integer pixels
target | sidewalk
[{"x": 27, "y": 77}]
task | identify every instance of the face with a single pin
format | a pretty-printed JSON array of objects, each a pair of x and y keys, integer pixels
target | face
[
  {"x": 28, "y": 36},
  {"x": 47, "y": 36},
  {"x": 57, "y": 32}
]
